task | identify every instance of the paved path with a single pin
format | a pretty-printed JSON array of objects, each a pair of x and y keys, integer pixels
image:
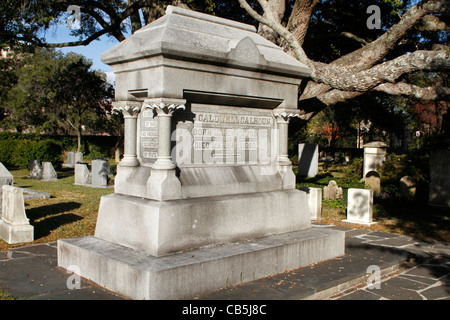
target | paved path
[{"x": 409, "y": 269}]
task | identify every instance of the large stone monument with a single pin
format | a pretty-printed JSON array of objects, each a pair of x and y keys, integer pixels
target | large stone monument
[{"x": 205, "y": 193}]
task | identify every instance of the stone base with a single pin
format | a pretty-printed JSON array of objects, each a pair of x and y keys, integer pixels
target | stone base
[
  {"x": 367, "y": 224},
  {"x": 16, "y": 234},
  {"x": 159, "y": 228},
  {"x": 184, "y": 275}
]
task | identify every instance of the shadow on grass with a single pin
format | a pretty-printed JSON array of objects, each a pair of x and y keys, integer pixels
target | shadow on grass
[
  {"x": 415, "y": 218},
  {"x": 53, "y": 216},
  {"x": 65, "y": 172}
]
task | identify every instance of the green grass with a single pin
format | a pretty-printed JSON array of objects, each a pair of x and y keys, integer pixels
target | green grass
[
  {"x": 70, "y": 212},
  {"x": 5, "y": 296}
]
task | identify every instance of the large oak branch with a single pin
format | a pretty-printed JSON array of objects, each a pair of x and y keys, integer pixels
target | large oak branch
[{"x": 389, "y": 71}]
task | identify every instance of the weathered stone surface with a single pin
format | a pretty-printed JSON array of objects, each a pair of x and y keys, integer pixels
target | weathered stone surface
[
  {"x": 332, "y": 191},
  {"x": 360, "y": 206},
  {"x": 36, "y": 169},
  {"x": 82, "y": 174},
  {"x": 14, "y": 224},
  {"x": 48, "y": 172},
  {"x": 373, "y": 181}
]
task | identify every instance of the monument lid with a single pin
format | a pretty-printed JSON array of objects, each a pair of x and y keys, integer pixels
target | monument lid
[{"x": 188, "y": 35}]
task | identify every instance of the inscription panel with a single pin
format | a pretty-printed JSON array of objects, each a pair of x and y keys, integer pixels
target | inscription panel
[
  {"x": 147, "y": 136},
  {"x": 225, "y": 136}
]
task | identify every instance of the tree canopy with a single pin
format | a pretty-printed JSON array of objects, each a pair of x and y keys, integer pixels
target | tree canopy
[
  {"x": 352, "y": 47},
  {"x": 56, "y": 93}
]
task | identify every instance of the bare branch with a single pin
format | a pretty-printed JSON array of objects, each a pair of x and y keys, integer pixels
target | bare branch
[
  {"x": 353, "y": 37},
  {"x": 409, "y": 90}
]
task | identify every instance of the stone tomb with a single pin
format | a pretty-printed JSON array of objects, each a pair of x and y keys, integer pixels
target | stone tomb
[
  {"x": 205, "y": 193},
  {"x": 14, "y": 224}
]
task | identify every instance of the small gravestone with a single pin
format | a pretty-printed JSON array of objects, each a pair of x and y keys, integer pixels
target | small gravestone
[
  {"x": 314, "y": 196},
  {"x": 82, "y": 174},
  {"x": 100, "y": 171},
  {"x": 439, "y": 193},
  {"x": 70, "y": 160},
  {"x": 332, "y": 191},
  {"x": 48, "y": 172},
  {"x": 36, "y": 169},
  {"x": 408, "y": 187},
  {"x": 308, "y": 159},
  {"x": 360, "y": 207},
  {"x": 78, "y": 157},
  {"x": 6, "y": 178},
  {"x": 14, "y": 225},
  {"x": 373, "y": 181}
]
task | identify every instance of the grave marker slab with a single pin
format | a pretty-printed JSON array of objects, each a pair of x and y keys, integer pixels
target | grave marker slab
[
  {"x": 100, "y": 171},
  {"x": 14, "y": 224},
  {"x": 6, "y": 178},
  {"x": 308, "y": 159},
  {"x": 360, "y": 207},
  {"x": 48, "y": 172},
  {"x": 36, "y": 169},
  {"x": 314, "y": 196},
  {"x": 78, "y": 157},
  {"x": 82, "y": 174},
  {"x": 373, "y": 180},
  {"x": 70, "y": 160},
  {"x": 439, "y": 194}
]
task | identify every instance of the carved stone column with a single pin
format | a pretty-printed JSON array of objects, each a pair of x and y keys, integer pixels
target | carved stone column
[
  {"x": 164, "y": 113},
  {"x": 130, "y": 111},
  {"x": 283, "y": 162},
  {"x": 163, "y": 183}
]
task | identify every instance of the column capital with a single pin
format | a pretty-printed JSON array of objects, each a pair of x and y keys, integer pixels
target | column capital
[
  {"x": 164, "y": 108},
  {"x": 284, "y": 116},
  {"x": 129, "y": 109}
]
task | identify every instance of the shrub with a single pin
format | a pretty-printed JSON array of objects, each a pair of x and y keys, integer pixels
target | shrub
[{"x": 19, "y": 153}]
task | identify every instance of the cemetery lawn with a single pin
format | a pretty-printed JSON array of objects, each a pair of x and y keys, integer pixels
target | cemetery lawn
[{"x": 70, "y": 212}]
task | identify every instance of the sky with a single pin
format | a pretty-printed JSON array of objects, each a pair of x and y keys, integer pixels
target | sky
[{"x": 93, "y": 51}]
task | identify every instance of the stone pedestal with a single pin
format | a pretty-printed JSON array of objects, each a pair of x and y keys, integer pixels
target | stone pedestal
[{"x": 374, "y": 156}]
